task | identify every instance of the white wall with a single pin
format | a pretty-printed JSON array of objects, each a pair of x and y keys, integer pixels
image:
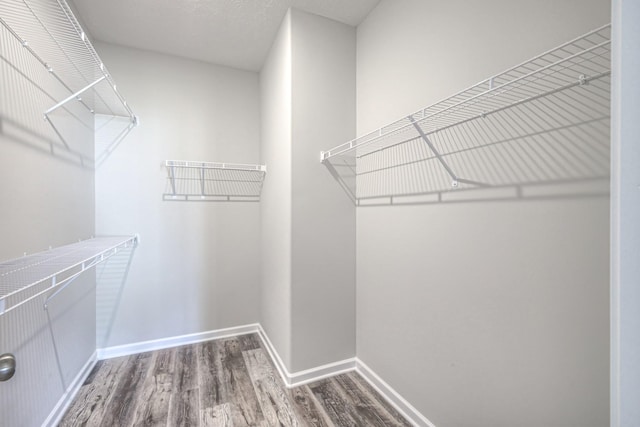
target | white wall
[
  {"x": 275, "y": 207},
  {"x": 308, "y": 227},
  {"x": 197, "y": 267},
  {"x": 323, "y": 316},
  {"x": 625, "y": 208},
  {"x": 47, "y": 200},
  {"x": 479, "y": 313}
]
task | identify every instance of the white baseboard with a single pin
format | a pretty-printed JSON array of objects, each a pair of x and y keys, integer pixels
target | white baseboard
[
  {"x": 392, "y": 396},
  {"x": 290, "y": 379},
  {"x": 162, "y": 343},
  {"x": 322, "y": 372},
  {"x": 275, "y": 357},
  {"x": 329, "y": 370},
  {"x": 309, "y": 375},
  {"x": 63, "y": 404}
]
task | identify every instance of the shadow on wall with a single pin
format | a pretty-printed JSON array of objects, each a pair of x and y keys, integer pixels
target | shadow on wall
[
  {"x": 45, "y": 103},
  {"x": 111, "y": 277},
  {"x": 539, "y": 130},
  {"x": 528, "y": 151},
  {"x": 52, "y": 310},
  {"x": 26, "y": 333},
  {"x": 27, "y": 92},
  {"x": 42, "y": 333}
]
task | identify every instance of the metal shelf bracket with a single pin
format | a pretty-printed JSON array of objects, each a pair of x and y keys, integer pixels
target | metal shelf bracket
[
  {"x": 211, "y": 181},
  {"x": 75, "y": 95},
  {"x": 544, "y": 121}
]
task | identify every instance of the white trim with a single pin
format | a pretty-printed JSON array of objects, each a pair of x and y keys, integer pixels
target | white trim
[
  {"x": 275, "y": 357},
  {"x": 392, "y": 396},
  {"x": 162, "y": 343},
  {"x": 321, "y": 372},
  {"x": 306, "y": 376},
  {"x": 290, "y": 380},
  {"x": 625, "y": 208},
  {"x": 61, "y": 407},
  {"x": 331, "y": 369},
  {"x": 615, "y": 220}
]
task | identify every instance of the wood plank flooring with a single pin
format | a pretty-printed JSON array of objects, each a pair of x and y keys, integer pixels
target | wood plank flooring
[{"x": 227, "y": 382}]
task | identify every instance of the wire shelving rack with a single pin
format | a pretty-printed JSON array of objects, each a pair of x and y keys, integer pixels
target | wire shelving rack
[
  {"x": 213, "y": 181},
  {"x": 26, "y": 278},
  {"x": 543, "y": 121},
  {"x": 46, "y": 34}
]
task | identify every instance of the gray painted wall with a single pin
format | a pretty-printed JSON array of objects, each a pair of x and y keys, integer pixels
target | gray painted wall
[
  {"x": 198, "y": 264},
  {"x": 275, "y": 207},
  {"x": 499, "y": 310},
  {"x": 308, "y": 226},
  {"x": 47, "y": 200},
  {"x": 323, "y": 316},
  {"x": 625, "y": 209}
]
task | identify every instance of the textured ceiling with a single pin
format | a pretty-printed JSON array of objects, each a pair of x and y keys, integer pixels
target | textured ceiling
[{"x": 235, "y": 33}]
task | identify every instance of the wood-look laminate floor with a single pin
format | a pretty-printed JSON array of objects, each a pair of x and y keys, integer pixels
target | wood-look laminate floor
[{"x": 227, "y": 382}]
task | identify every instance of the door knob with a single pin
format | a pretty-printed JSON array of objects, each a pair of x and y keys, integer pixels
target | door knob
[{"x": 7, "y": 366}]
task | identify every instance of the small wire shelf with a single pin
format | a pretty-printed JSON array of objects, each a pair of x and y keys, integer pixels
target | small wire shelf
[
  {"x": 23, "y": 279},
  {"x": 213, "y": 182},
  {"x": 46, "y": 46},
  {"x": 543, "y": 121}
]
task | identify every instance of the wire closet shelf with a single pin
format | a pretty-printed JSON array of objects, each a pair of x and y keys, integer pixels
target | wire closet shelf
[
  {"x": 26, "y": 278},
  {"x": 213, "y": 182},
  {"x": 543, "y": 121},
  {"x": 51, "y": 34}
]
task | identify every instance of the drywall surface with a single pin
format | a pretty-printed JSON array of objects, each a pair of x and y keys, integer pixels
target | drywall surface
[
  {"x": 275, "y": 209},
  {"x": 482, "y": 313},
  {"x": 323, "y": 251},
  {"x": 198, "y": 263},
  {"x": 625, "y": 210},
  {"x": 47, "y": 201},
  {"x": 308, "y": 228}
]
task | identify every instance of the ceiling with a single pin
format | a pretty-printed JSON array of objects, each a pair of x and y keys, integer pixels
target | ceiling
[{"x": 235, "y": 33}]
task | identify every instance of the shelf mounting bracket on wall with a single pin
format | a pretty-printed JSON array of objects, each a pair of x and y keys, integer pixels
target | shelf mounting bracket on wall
[
  {"x": 456, "y": 180},
  {"x": 74, "y": 96},
  {"x": 23, "y": 279},
  {"x": 543, "y": 122},
  {"x": 51, "y": 34},
  {"x": 46, "y": 274},
  {"x": 434, "y": 150}
]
